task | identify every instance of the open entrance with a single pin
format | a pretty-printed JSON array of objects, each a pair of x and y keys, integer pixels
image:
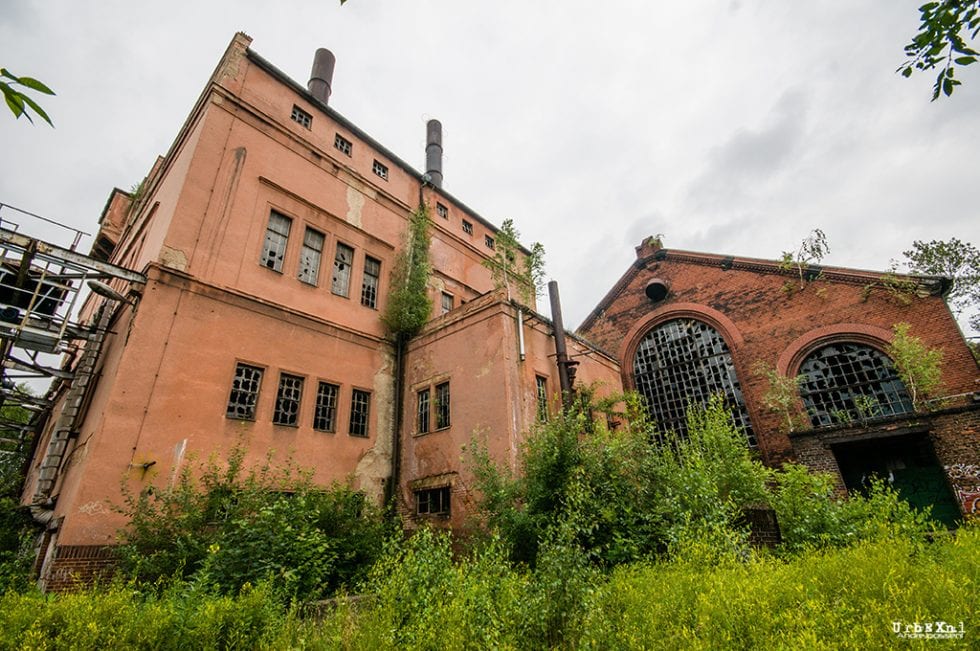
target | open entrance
[{"x": 908, "y": 463}]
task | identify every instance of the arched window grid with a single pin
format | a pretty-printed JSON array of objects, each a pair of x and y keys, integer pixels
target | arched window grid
[
  {"x": 846, "y": 382},
  {"x": 682, "y": 363}
]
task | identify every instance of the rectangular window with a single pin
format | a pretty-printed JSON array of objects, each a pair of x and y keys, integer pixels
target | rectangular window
[
  {"x": 276, "y": 237},
  {"x": 360, "y": 409},
  {"x": 467, "y": 227},
  {"x": 423, "y": 411},
  {"x": 380, "y": 169},
  {"x": 301, "y": 117},
  {"x": 433, "y": 501},
  {"x": 244, "y": 392},
  {"x": 287, "y": 400},
  {"x": 369, "y": 288},
  {"x": 447, "y": 302},
  {"x": 442, "y": 405},
  {"x": 309, "y": 258},
  {"x": 442, "y": 211},
  {"x": 341, "y": 270},
  {"x": 488, "y": 241},
  {"x": 342, "y": 144},
  {"x": 325, "y": 413},
  {"x": 542, "y": 391}
]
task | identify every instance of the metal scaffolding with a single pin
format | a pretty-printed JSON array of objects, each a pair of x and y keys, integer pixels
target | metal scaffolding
[{"x": 42, "y": 286}]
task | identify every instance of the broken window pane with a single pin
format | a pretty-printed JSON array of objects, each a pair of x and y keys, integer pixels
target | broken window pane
[
  {"x": 423, "y": 411},
  {"x": 848, "y": 381},
  {"x": 442, "y": 405},
  {"x": 244, "y": 392},
  {"x": 447, "y": 302},
  {"x": 276, "y": 236},
  {"x": 360, "y": 406},
  {"x": 433, "y": 501},
  {"x": 684, "y": 362},
  {"x": 341, "y": 270},
  {"x": 325, "y": 413},
  {"x": 541, "y": 385},
  {"x": 309, "y": 259},
  {"x": 287, "y": 400},
  {"x": 369, "y": 288}
]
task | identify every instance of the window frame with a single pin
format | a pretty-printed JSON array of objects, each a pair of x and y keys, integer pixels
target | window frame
[
  {"x": 374, "y": 288},
  {"x": 489, "y": 242},
  {"x": 442, "y": 210},
  {"x": 251, "y": 409},
  {"x": 281, "y": 389},
  {"x": 275, "y": 244},
  {"x": 380, "y": 169},
  {"x": 442, "y": 303},
  {"x": 365, "y": 421},
  {"x": 317, "y": 406},
  {"x": 318, "y": 256},
  {"x": 343, "y": 145},
  {"x": 467, "y": 227},
  {"x": 423, "y": 410},
  {"x": 301, "y": 117},
  {"x": 542, "y": 413},
  {"x": 347, "y": 273},
  {"x": 439, "y": 496}
]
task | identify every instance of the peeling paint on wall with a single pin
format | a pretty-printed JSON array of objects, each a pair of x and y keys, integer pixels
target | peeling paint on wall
[
  {"x": 173, "y": 258},
  {"x": 355, "y": 202},
  {"x": 374, "y": 468}
]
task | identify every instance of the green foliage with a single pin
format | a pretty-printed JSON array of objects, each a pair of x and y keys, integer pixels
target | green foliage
[
  {"x": 782, "y": 396},
  {"x": 900, "y": 290},
  {"x": 941, "y": 41},
  {"x": 19, "y": 102},
  {"x": 15, "y": 439},
  {"x": 625, "y": 495},
  {"x": 409, "y": 304},
  {"x": 918, "y": 365},
  {"x": 527, "y": 274},
  {"x": 17, "y": 533},
  {"x": 953, "y": 259},
  {"x": 812, "y": 250},
  {"x": 812, "y": 515},
  {"x": 421, "y": 598},
  {"x": 231, "y": 528}
]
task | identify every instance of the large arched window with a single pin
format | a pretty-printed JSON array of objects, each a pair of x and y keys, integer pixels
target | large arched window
[
  {"x": 847, "y": 381},
  {"x": 684, "y": 362}
]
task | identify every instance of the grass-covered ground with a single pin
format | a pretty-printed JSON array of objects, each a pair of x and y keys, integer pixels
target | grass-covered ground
[{"x": 420, "y": 598}]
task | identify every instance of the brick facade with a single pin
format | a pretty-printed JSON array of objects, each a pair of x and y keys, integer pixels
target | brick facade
[{"x": 778, "y": 316}]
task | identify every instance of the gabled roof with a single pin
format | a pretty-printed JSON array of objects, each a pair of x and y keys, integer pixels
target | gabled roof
[{"x": 648, "y": 253}]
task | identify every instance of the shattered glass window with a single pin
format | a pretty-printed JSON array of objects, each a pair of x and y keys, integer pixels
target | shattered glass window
[
  {"x": 325, "y": 413},
  {"x": 341, "y": 270},
  {"x": 287, "y": 400},
  {"x": 360, "y": 406},
  {"x": 244, "y": 392},
  {"x": 276, "y": 236},
  {"x": 848, "y": 381},
  {"x": 682, "y": 363}
]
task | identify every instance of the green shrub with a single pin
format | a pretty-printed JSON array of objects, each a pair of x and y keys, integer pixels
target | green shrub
[
  {"x": 232, "y": 528},
  {"x": 810, "y": 514}
]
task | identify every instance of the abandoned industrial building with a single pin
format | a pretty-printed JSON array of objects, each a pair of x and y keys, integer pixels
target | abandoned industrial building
[{"x": 238, "y": 296}]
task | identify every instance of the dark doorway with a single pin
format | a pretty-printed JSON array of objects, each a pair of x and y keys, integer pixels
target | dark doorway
[{"x": 906, "y": 462}]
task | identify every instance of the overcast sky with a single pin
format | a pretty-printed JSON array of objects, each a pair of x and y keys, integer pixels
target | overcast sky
[{"x": 728, "y": 126}]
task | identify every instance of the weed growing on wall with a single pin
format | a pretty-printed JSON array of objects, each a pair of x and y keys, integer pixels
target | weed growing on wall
[
  {"x": 409, "y": 305},
  {"x": 917, "y": 364},
  {"x": 509, "y": 264},
  {"x": 782, "y": 395}
]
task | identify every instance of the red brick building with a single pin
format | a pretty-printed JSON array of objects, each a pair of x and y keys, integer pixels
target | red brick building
[
  {"x": 686, "y": 325},
  {"x": 247, "y": 279}
]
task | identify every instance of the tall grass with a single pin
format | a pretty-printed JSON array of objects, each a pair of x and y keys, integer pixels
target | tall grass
[{"x": 421, "y": 598}]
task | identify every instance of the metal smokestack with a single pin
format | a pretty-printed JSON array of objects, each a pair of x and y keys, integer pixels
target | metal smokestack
[
  {"x": 321, "y": 76},
  {"x": 433, "y": 152}
]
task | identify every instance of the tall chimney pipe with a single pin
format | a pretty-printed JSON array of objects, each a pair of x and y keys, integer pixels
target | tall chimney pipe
[
  {"x": 433, "y": 152},
  {"x": 321, "y": 76}
]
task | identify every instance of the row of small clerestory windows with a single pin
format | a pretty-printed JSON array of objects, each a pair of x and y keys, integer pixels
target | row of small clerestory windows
[
  {"x": 274, "y": 256},
  {"x": 247, "y": 384},
  {"x": 346, "y": 147},
  {"x": 340, "y": 143}
]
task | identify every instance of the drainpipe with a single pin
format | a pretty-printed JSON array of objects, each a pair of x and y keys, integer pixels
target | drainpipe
[
  {"x": 561, "y": 353},
  {"x": 391, "y": 492}
]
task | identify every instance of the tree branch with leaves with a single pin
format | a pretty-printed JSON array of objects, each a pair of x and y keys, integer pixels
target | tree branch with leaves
[
  {"x": 509, "y": 264},
  {"x": 19, "y": 102},
  {"x": 941, "y": 42}
]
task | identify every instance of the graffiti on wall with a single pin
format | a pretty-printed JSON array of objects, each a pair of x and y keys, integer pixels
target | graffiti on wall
[{"x": 965, "y": 478}]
